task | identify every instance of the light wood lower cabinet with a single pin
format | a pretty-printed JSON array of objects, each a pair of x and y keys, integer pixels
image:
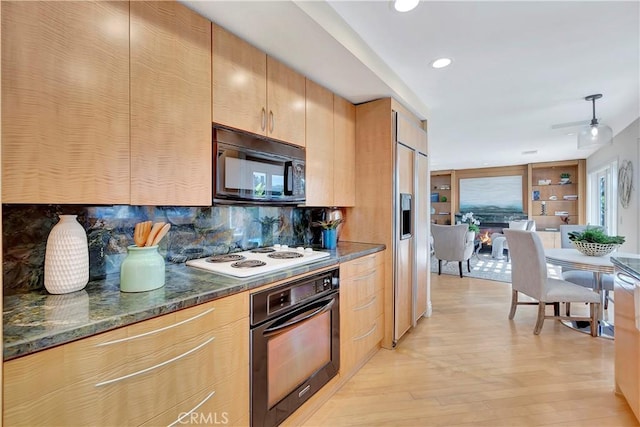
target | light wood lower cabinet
[
  {"x": 156, "y": 370},
  {"x": 361, "y": 310},
  {"x": 627, "y": 341},
  {"x": 550, "y": 239}
]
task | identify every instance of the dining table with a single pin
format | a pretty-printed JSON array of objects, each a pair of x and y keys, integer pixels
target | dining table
[{"x": 599, "y": 266}]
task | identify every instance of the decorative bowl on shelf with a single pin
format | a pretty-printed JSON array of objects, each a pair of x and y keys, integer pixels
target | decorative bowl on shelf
[{"x": 595, "y": 249}]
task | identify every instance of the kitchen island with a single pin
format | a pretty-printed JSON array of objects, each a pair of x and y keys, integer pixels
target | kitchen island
[{"x": 38, "y": 320}]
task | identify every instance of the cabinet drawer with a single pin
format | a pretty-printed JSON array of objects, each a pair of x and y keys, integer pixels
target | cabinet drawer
[
  {"x": 362, "y": 317},
  {"x": 226, "y": 402},
  {"x": 162, "y": 385},
  {"x": 360, "y": 266},
  {"x": 360, "y": 345},
  {"x": 356, "y": 290},
  {"x": 148, "y": 342}
]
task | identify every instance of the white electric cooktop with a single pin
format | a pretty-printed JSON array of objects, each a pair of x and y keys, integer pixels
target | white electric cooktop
[{"x": 258, "y": 260}]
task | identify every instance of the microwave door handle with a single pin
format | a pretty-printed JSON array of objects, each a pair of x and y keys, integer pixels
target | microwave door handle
[{"x": 288, "y": 178}]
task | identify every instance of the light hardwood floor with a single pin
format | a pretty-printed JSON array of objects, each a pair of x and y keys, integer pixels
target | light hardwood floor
[{"x": 468, "y": 365}]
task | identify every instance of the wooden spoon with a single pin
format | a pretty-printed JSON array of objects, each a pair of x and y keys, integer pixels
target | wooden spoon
[
  {"x": 153, "y": 233},
  {"x": 163, "y": 232},
  {"x": 141, "y": 232}
]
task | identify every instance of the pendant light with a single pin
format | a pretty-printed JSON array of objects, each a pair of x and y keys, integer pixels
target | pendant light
[{"x": 595, "y": 134}]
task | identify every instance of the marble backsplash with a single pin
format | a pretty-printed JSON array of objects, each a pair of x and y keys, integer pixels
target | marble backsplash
[{"x": 195, "y": 232}]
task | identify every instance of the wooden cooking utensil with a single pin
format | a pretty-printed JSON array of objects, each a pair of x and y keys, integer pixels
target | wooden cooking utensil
[
  {"x": 154, "y": 232},
  {"x": 137, "y": 235},
  {"x": 163, "y": 232},
  {"x": 141, "y": 232}
]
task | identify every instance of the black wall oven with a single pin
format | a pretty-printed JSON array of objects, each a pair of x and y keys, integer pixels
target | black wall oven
[
  {"x": 295, "y": 345},
  {"x": 254, "y": 170}
]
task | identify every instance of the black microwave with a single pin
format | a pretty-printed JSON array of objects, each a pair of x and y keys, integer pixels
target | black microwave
[{"x": 253, "y": 170}]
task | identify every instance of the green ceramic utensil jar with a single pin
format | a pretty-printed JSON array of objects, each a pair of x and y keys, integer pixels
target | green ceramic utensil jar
[{"x": 142, "y": 270}]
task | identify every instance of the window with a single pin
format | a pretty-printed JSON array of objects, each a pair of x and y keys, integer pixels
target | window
[{"x": 602, "y": 188}]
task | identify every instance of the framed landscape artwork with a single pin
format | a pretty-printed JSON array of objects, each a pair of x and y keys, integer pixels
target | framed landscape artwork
[{"x": 495, "y": 194}]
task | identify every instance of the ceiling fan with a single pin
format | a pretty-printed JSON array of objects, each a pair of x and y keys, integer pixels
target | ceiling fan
[{"x": 570, "y": 124}]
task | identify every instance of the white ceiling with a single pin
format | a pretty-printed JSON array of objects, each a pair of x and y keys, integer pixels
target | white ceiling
[{"x": 519, "y": 67}]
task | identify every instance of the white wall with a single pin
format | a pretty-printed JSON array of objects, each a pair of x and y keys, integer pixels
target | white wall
[{"x": 625, "y": 146}]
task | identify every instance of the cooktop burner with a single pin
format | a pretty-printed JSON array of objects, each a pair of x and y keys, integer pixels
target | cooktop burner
[
  {"x": 225, "y": 258},
  {"x": 250, "y": 263},
  {"x": 285, "y": 255},
  {"x": 262, "y": 250}
]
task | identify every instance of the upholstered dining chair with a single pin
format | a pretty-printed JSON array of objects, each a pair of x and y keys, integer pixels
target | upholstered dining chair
[
  {"x": 452, "y": 243},
  {"x": 581, "y": 277},
  {"x": 529, "y": 276}
]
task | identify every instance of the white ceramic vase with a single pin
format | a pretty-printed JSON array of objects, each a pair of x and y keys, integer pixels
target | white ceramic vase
[{"x": 66, "y": 261}]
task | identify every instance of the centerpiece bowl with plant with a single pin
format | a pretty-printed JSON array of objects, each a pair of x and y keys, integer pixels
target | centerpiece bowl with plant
[{"x": 594, "y": 242}]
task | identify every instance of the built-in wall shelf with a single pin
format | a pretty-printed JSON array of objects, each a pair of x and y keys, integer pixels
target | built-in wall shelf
[
  {"x": 443, "y": 194},
  {"x": 552, "y": 203}
]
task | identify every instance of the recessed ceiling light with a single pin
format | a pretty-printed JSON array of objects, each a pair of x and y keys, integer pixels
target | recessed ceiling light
[
  {"x": 570, "y": 134},
  {"x": 405, "y": 5},
  {"x": 530, "y": 152},
  {"x": 441, "y": 63}
]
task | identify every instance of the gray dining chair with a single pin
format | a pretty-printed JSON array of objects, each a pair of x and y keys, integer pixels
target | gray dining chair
[
  {"x": 581, "y": 277},
  {"x": 529, "y": 277}
]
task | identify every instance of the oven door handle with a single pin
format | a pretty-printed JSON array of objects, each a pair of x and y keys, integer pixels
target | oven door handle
[{"x": 279, "y": 329}]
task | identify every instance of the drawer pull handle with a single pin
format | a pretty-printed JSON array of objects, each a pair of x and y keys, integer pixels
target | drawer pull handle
[
  {"x": 363, "y": 262},
  {"x": 186, "y": 414},
  {"x": 364, "y": 277},
  {"x": 369, "y": 304},
  {"x": 621, "y": 277},
  {"x": 155, "y": 331},
  {"x": 159, "y": 365},
  {"x": 372, "y": 330}
]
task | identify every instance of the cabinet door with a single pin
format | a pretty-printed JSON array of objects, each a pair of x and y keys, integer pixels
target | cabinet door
[
  {"x": 405, "y": 255},
  {"x": 65, "y": 99},
  {"x": 421, "y": 292},
  {"x": 239, "y": 83},
  {"x": 320, "y": 148},
  {"x": 170, "y": 105},
  {"x": 344, "y": 160},
  {"x": 286, "y": 103}
]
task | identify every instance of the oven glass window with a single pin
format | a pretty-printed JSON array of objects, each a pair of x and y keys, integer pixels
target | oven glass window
[{"x": 296, "y": 354}]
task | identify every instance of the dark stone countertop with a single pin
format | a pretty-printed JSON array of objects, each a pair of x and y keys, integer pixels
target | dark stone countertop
[
  {"x": 630, "y": 266},
  {"x": 39, "y": 320}
]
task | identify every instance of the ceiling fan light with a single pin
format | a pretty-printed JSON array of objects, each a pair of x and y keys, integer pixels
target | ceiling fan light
[
  {"x": 405, "y": 5},
  {"x": 596, "y": 134},
  {"x": 593, "y": 136}
]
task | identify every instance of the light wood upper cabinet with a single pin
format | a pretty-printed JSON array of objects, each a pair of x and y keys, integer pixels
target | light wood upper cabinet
[
  {"x": 239, "y": 83},
  {"x": 286, "y": 103},
  {"x": 65, "y": 102},
  {"x": 344, "y": 141},
  {"x": 320, "y": 146},
  {"x": 330, "y": 167},
  {"x": 256, "y": 93},
  {"x": 170, "y": 105}
]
